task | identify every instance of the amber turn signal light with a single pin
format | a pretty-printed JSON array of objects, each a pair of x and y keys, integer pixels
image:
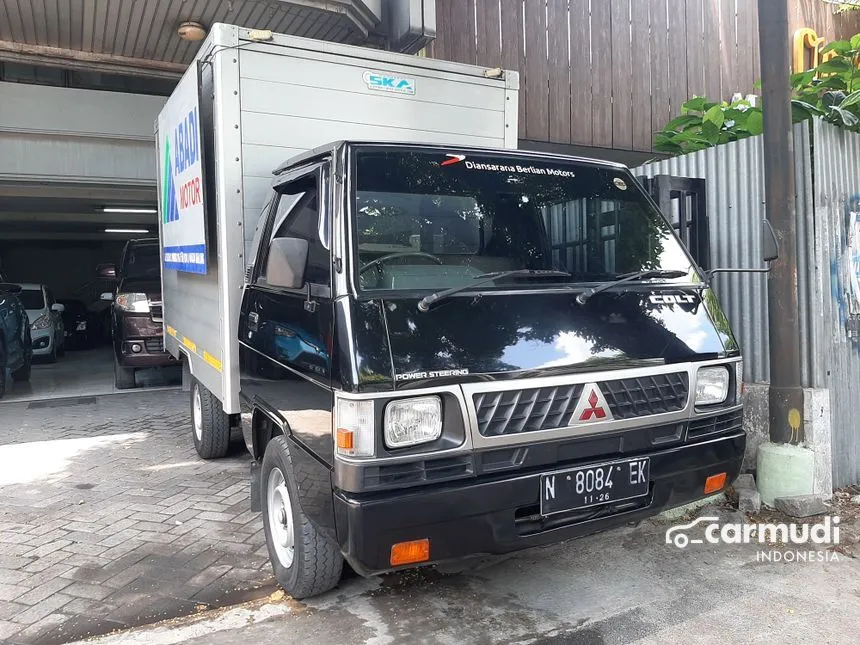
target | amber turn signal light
[
  {"x": 715, "y": 483},
  {"x": 345, "y": 439},
  {"x": 410, "y": 552}
]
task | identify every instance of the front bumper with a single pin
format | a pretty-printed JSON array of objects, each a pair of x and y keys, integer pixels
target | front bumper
[
  {"x": 42, "y": 341},
  {"x": 501, "y": 514},
  {"x": 142, "y": 343}
]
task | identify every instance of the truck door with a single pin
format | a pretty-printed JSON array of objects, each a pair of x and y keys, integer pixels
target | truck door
[{"x": 284, "y": 334}]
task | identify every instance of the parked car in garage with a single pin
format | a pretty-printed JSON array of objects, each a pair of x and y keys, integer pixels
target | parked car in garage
[
  {"x": 79, "y": 324},
  {"x": 136, "y": 318},
  {"x": 16, "y": 351},
  {"x": 46, "y": 320}
]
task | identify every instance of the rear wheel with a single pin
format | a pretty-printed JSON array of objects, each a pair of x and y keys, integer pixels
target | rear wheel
[
  {"x": 306, "y": 563},
  {"x": 211, "y": 424},
  {"x": 123, "y": 376}
]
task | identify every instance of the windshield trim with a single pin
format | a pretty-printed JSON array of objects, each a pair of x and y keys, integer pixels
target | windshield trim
[
  {"x": 572, "y": 288},
  {"x": 351, "y": 253}
]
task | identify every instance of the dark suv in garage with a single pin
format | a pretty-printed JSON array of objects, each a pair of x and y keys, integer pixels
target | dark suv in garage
[
  {"x": 136, "y": 317},
  {"x": 16, "y": 350}
]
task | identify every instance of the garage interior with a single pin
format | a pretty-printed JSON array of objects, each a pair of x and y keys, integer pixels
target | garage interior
[
  {"x": 57, "y": 235},
  {"x": 82, "y": 84}
]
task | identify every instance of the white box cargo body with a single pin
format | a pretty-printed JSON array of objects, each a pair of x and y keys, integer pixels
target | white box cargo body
[{"x": 248, "y": 103}]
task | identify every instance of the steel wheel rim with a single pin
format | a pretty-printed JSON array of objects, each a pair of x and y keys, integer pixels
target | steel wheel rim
[
  {"x": 198, "y": 414},
  {"x": 280, "y": 518}
]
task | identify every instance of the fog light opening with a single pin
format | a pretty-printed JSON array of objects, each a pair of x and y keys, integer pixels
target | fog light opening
[{"x": 136, "y": 348}]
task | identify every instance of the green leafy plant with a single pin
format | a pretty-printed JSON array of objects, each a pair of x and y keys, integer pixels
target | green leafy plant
[
  {"x": 831, "y": 92},
  {"x": 703, "y": 124}
]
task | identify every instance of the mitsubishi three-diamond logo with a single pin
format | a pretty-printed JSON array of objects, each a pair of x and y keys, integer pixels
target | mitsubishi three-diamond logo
[{"x": 592, "y": 406}]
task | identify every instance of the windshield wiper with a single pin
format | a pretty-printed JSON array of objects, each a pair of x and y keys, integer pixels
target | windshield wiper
[
  {"x": 425, "y": 302},
  {"x": 583, "y": 297}
]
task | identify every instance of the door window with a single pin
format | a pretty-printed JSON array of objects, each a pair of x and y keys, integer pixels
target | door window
[{"x": 298, "y": 215}]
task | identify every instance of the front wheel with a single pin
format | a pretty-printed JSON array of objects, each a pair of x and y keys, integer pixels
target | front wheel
[
  {"x": 211, "y": 423},
  {"x": 306, "y": 563},
  {"x": 123, "y": 376}
]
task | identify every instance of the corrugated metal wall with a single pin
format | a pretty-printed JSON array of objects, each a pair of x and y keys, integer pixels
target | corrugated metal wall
[
  {"x": 735, "y": 206},
  {"x": 836, "y": 348},
  {"x": 828, "y": 229}
]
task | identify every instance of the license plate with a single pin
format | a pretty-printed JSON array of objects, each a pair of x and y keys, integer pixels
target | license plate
[{"x": 594, "y": 485}]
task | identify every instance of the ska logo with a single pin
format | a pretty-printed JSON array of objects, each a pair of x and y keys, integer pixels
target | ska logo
[
  {"x": 389, "y": 83},
  {"x": 592, "y": 406},
  {"x": 672, "y": 299}
]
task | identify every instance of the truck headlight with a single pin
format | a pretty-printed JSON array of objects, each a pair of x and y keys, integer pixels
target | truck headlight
[
  {"x": 134, "y": 302},
  {"x": 42, "y": 322},
  {"x": 712, "y": 385},
  {"x": 413, "y": 421},
  {"x": 354, "y": 428}
]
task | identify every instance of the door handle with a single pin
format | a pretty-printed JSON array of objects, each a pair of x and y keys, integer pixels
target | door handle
[{"x": 253, "y": 320}]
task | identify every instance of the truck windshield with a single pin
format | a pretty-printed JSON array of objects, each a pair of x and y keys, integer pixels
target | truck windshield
[
  {"x": 141, "y": 261},
  {"x": 436, "y": 220}
]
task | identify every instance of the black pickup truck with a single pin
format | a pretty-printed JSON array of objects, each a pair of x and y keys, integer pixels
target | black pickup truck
[{"x": 448, "y": 352}]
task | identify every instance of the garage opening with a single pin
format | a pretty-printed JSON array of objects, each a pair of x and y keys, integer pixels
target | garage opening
[{"x": 93, "y": 306}]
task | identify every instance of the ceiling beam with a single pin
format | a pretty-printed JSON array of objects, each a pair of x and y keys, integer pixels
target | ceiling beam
[
  {"x": 70, "y": 58},
  {"x": 119, "y": 194}
]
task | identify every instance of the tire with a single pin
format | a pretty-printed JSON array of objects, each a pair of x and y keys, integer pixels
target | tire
[
  {"x": 3, "y": 358},
  {"x": 61, "y": 349},
  {"x": 209, "y": 422},
  {"x": 22, "y": 374},
  {"x": 123, "y": 376},
  {"x": 313, "y": 565},
  {"x": 52, "y": 357}
]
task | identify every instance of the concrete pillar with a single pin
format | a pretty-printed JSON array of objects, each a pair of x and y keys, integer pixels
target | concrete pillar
[{"x": 785, "y": 470}]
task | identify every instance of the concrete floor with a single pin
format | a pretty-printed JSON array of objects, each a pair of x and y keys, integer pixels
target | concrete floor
[
  {"x": 82, "y": 373},
  {"x": 623, "y": 586}
]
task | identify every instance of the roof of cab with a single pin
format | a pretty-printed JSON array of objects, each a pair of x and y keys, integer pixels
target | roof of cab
[{"x": 330, "y": 148}]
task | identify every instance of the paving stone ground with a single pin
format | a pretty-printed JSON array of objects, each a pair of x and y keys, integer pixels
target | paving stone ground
[{"x": 108, "y": 518}]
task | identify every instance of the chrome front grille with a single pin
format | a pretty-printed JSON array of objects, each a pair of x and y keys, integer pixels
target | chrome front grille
[
  {"x": 631, "y": 398},
  {"x": 156, "y": 311},
  {"x": 511, "y": 412},
  {"x": 515, "y": 411}
]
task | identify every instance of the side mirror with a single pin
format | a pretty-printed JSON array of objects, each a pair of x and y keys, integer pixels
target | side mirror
[
  {"x": 107, "y": 270},
  {"x": 285, "y": 266},
  {"x": 107, "y": 295},
  {"x": 58, "y": 307},
  {"x": 769, "y": 243}
]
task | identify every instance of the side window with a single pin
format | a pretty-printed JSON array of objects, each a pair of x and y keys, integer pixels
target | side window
[
  {"x": 253, "y": 253},
  {"x": 298, "y": 215}
]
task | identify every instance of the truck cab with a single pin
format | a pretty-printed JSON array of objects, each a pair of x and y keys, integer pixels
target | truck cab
[{"x": 449, "y": 352}]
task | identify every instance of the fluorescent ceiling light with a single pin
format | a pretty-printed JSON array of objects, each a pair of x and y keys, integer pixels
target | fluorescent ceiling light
[
  {"x": 128, "y": 210},
  {"x": 126, "y": 230}
]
